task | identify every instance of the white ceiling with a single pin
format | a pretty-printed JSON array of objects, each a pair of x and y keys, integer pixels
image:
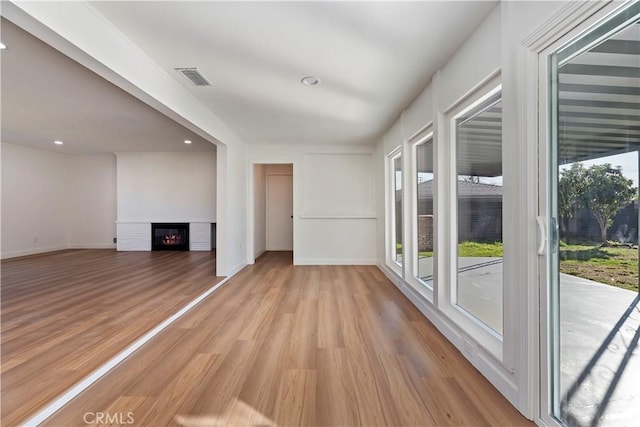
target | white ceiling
[
  {"x": 46, "y": 96},
  {"x": 373, "y": 59}
]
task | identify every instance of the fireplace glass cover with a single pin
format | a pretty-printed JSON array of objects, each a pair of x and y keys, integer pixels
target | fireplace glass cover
[{"x": 170, "y": 237}]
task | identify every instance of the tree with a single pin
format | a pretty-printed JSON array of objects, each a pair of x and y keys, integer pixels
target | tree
[
  {"x": 600, "y": 189},
  {"x": 570, "y": 186},
  {"x": 474, "y": 179}
]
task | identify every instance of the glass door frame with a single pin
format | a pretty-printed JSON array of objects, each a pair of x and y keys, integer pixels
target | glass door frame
[{"x": 548, "y": 60}]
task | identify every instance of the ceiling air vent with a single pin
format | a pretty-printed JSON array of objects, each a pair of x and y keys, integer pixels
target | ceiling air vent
[{"x": 194, "y": 76}]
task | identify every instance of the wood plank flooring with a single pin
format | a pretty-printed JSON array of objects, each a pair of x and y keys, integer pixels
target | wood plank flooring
[
  {"x": 66, "y": 313},
  {"x": 283, "y": 345}
]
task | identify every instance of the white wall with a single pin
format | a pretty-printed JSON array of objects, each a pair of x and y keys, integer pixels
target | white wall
[
  {"x": 34, "y": 201},
  {"x": 232, "y": 220},
  {"x": 92, "y": 207},
  {"x": 52, "y": 201},
  {"x": 334, "y": 201},
  {"x": 477, "y": 58},
  {"x": 166, "y": 187},
  {"x": 337, "y": 184},
  {"x": 259, "y": 210}
]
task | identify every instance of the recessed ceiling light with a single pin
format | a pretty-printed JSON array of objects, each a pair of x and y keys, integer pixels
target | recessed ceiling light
[
  {"x": 3, "y": 46},
  {"x": 58, "y": 142},
  {"x": 186, "y": 141},
  {"x": 310, "y": 81}
]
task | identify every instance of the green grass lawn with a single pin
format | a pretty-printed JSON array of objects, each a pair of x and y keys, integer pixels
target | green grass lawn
[
  {"x": 474, "y": 249},
  {"x": 480, "y": 249},
  {"x": 613, "y": 265}
]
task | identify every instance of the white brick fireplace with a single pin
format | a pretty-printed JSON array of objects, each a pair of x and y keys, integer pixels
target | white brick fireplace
[
  {"x": 136, "y": 235},
  {"x": 165, "y": 188}
]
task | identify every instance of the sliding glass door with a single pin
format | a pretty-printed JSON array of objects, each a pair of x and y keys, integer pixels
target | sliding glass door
[{"x": 593, "y": 300}]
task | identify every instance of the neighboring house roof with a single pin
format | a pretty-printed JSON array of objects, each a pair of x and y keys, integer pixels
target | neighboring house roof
[
  {"x": 465, "y": 189},
  {"x": 470, "y": 189}
]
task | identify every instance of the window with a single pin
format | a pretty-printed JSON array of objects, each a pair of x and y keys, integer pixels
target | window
[
  {"x": 423, "y": 227},
  {"x": 396, "y": 209},
  {"x": 478, "y": 137}
]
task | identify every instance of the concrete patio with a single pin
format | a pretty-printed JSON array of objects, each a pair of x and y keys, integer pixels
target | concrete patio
[
  {"x": 599, "y": 334},
  {"x": 599, "y": 356}
]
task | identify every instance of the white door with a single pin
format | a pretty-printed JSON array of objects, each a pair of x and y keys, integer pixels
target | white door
[{"x": 279, "y": 212}]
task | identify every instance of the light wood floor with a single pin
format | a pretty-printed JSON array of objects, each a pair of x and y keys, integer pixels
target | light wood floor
[
  {"x": 66, "y": 313},
  {"x": 283, "y": 345}
]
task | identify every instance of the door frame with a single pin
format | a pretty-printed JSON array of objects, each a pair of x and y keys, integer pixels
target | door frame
[
  {"x": 250, "y": 246},
  {"x": 267, "y": 175},
  {"x": 577, "y": 17}
]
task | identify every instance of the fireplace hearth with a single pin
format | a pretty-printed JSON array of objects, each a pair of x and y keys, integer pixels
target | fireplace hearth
[{"x": 170, "y": 236}]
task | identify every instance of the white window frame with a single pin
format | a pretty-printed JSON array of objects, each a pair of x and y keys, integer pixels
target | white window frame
[
  {"x": 423, "y": 136},
  {"x": 486, "y": 337},
  {"x": 391, "y": 212}
]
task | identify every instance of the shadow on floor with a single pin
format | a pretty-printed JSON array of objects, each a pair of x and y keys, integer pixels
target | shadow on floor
[{"x": 568, "y": 409}]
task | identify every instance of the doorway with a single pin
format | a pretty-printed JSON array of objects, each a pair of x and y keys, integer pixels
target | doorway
[
  {"x": 279, "y": 212},
  {"x": 273, "y": 208}
]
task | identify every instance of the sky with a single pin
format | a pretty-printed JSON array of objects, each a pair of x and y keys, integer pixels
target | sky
[{"x": 628, "y": 162}]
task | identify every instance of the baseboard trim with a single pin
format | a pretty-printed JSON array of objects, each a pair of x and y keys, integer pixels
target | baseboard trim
[
  {"x": 237, "y": 268},
  {"x": 93, "y": 246},
  {"x": 258, "y": 254},
  {"x": 334, "y": 261},
  {"x": 35, "y": 251}
]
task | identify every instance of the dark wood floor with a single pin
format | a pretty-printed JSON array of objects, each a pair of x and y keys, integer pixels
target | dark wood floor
[
  {"x": 66, "y": 313},
  {"x": 283, "y": 345}
]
